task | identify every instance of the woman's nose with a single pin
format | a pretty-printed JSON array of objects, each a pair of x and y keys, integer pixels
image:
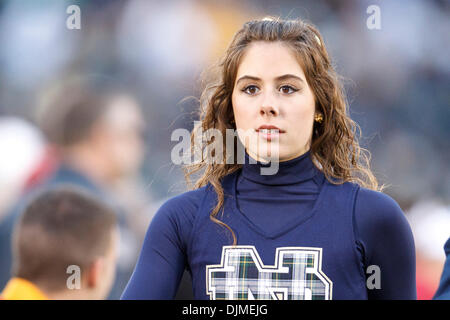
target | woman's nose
[
  {"x": 269, "y": 104},
  {"x": 268, "y": 110}
]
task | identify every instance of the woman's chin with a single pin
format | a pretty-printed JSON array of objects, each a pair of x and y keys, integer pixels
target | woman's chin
[{"x": 266, "y": 153}]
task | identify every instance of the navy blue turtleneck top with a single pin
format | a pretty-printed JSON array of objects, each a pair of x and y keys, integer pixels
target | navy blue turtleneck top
[{"x": 298, "y": 237}]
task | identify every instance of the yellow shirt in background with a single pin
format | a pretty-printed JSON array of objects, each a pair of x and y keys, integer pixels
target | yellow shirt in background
[{"x": 21, "y": 289}]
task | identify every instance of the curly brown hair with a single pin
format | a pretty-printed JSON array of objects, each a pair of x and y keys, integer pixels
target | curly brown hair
[{"x": 335, "y": 149}]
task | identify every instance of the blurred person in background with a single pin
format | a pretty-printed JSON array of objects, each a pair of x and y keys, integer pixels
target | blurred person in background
[
  {"x": 60, "y": 229},
  {"x": 443, "y": 292},
  {"x": 430, "y": 223},
  {"x": 95, "y": 135}
]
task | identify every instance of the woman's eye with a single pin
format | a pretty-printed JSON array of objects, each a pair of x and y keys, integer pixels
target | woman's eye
[
  {"x": 251, "y": 89},
  {"x": 287, "y": 89}
]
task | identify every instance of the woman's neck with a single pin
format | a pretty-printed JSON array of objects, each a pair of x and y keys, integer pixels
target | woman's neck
[{"x": 290, "y": 171}]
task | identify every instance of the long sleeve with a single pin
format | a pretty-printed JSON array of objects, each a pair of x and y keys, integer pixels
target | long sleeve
[
  {"x": 162, "y": 260},
  {"x": 385, "y": 240}
]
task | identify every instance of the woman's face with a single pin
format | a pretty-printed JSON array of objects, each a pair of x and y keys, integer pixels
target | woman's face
[{"x": 271, "y": 90}]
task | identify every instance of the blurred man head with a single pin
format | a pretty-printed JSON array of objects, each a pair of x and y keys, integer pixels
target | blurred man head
[
  {"x": 62, "y": 231},
  {"x": 98, "y": 132}
]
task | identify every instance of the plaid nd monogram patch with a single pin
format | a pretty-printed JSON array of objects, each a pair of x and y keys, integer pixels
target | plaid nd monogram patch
[{"x": 296, "y": 275}]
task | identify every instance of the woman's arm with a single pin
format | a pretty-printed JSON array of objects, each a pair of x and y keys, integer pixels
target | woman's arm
[
  {"x": 163, "y": 256},
  {"x": 386, "y": 240}
]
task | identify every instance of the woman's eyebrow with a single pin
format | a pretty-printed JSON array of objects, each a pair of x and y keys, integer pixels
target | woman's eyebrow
[
  {"x": 288, "y": 76},
  {"x": 280, "y": 78},
  {"x": 248, "y": 78}
]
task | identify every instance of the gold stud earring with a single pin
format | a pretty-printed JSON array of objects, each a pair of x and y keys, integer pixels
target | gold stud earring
[{"x": 318, "y": 117}]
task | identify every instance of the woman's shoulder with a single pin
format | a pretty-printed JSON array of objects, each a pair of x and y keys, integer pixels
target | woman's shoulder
[
  {"x": 377, "y": 209},
  {"x": 184, "y": 204},
  {"x": 176, "y": 216},
  {"x": 376, "y": 200},
  {"x": 368, "y": 204}
]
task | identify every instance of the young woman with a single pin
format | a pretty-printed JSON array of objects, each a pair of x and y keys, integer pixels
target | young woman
[{"x": 319, "y": 228}]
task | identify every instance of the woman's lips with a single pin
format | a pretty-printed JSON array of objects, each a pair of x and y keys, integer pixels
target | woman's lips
[{"x": 269, "y": 132}]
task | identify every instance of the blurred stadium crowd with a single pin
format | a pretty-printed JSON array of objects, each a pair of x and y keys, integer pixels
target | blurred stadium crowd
[{"x": 96, "y": 107}]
